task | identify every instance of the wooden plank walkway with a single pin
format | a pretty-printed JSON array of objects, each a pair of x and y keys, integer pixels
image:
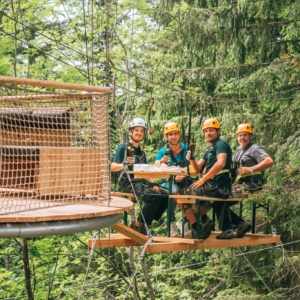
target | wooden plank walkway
[
  {"x": 43, "y": 210},
  {"x": 129, "y": 237}
]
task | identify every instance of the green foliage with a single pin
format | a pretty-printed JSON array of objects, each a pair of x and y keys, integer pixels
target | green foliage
[{"x": 245, "y": 56}]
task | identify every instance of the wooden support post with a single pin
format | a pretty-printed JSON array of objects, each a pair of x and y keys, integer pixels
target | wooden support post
[{"x": 129, "y": 232}]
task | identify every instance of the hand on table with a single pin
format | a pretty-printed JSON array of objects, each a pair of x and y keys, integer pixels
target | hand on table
[{"x": 179, "y": 178}]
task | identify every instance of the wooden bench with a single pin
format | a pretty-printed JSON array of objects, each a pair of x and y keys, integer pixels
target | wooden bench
[
  {"x": 189, "y": 199},
  {"x": 129, "y": 196}
]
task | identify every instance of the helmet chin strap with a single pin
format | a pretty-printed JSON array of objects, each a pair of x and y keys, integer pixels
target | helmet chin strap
[
  {"x": 133, "y": 138},
  {"x": 216, "y": 139},
  {"x": 136, "y": 140}
]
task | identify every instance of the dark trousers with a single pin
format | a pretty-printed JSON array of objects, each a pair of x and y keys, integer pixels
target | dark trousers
[
  {"x": 155, "y": 204},
  {"x": 226, "y": 216}
]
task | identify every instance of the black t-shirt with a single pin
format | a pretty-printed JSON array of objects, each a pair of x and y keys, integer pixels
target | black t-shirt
[{"x": 210, "y": 156}]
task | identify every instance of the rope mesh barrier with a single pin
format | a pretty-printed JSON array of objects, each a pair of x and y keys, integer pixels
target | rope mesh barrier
[{"x": 54, "y": 146}]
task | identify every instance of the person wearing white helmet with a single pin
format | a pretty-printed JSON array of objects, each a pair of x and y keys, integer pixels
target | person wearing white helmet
[{"x": 155, "y": 199}]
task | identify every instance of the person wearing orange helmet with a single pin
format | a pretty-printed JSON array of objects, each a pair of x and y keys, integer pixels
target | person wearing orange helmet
[
  {"x": 174, "y": 154},
  {"x": 249, "y": 162},
  {"x": 215, "y": 182}
]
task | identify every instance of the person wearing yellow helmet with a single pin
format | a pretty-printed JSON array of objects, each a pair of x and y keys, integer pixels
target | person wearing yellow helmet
[
  {"x": 174, "y": 154},
  {"x": 215, "y": 182},
  {"x": 249, "y": 162},
  {"x": 155, "y": 199}
]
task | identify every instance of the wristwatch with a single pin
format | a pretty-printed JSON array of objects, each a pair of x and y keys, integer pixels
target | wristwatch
[{"x": 251, "y": 170}]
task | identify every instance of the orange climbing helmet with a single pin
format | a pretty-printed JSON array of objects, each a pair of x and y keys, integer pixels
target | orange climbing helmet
[
  {"x": 171, "y": 126},
  {"x": 244, "y": 128},
  {"x": 211, "y": 123}
]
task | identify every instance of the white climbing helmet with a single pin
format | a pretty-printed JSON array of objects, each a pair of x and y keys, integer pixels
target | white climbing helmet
[{"x": 137, "y": 122}]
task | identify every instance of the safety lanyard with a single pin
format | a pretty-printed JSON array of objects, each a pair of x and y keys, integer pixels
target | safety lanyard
[
  {"x": 246, "y": 175},
  {"x": 173, "y": 158}
]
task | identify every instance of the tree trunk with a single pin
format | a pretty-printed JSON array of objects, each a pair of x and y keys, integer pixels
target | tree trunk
[
  {"x": 27, "y": 270},
  {"x": 132, "y": 267},
  {"x": 147, "y": 279}
]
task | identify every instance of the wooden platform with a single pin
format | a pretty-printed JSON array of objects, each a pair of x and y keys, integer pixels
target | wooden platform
[
  {"x": 129, "y": 237},
  {"x": 43, "y": 210}
]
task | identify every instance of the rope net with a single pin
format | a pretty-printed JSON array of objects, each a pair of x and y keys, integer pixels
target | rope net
[{"x": 54, "y": 145}]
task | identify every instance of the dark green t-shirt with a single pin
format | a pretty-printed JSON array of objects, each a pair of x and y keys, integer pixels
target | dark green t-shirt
[
  {"x": 140, "y": 158},
  {"x": 210, "y": 156}
]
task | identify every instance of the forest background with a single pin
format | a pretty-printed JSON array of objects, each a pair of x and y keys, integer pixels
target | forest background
[{"x": 241, "y": 58}]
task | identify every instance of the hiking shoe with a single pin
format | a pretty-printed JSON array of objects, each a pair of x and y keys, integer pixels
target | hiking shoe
[
  {"x": 226, "y": 235},
  {"x": 242, "y": 229},
  {"x": 186, "y": 230},
  {"x": 173, "y": 230},
  {"x": 141, "y": 229},
  {"x": 206, "y": 229}
]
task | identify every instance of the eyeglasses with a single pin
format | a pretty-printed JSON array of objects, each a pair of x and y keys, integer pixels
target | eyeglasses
[{"x": 243, "y": 135}]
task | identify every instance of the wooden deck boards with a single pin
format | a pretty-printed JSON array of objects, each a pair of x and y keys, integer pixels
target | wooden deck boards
[
  {"x": 43, "y": 210},
  {"x": 129, "y": 238},
  {"x": 172, "y": 245}
]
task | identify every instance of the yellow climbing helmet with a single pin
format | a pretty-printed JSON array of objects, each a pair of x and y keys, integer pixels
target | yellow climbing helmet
[
  {"x": 171, "y": 126},
  {"x": 211, "y": 123},
  {"x": 244, "y": 128}
]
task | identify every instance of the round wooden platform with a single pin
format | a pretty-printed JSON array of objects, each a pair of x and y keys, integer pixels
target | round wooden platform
[
  {"x": 28, "y": 210},
  {"x": 28, "y": 218}
]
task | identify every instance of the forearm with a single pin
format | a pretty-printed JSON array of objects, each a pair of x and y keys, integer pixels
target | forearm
[
  {"x": 116, "y": 167},
  {"x": 263, "y": 165}
]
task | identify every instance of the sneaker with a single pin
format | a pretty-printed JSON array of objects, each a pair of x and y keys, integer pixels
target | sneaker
[
  {"x": 141, "y": 229},
  {"x": 186, "y": 229},
  {"x": 242, "y": 229},
  {"x": 226, "y": 235},
  {"x": 206, "y": 229},
  {"x": 173, "y": 230}
]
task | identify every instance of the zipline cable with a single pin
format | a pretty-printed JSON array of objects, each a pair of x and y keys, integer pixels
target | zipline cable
[
  {"x": 220, "y": 100},
  {"x": 261, "y": 279}
]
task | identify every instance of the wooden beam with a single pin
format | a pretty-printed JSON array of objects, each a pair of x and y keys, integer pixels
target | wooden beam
[
  {"x": 157, "y": 239},
  {"x": 193, "y": 199},
  {"x": 250, "y": 235},
  {"x": 162, "y": 244},
  {"x": 130, "y": 196},
  {"x": 211, "y": 244},
  {"x": 146, "y": 174},
  {"x": 53, "y": 84},
  {"x": 47, "y": 97},
  {"x": 129, "y": 232},
  {"x": 115, "y": 243}
]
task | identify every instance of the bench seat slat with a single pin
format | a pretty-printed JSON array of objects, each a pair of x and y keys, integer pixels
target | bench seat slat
[{"x": 192, "y": 199}]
